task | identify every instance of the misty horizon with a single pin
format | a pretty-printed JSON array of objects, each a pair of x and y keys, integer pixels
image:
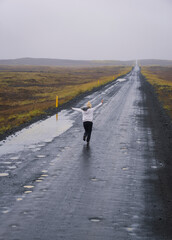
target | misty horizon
[{"x": 85, "y": 59}]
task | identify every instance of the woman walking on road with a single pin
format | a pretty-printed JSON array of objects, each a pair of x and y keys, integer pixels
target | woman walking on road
[{"x": 87, "y": 118}]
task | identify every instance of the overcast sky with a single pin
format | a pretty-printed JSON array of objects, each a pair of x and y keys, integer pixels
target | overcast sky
[{"x": 86, "y": 29}]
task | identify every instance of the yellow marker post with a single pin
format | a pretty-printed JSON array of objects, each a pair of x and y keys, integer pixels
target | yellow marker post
[
  {"x": 57, "y": 103},
  {"x": 113, "y": 77},
  {"x": 98, "y": 82}
]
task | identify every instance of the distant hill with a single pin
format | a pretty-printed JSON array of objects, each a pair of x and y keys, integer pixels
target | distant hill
[
  {"x": 81, "y": 63},
  {"x": 63, "y": 62},
  {"x": 157, "y": 62}
]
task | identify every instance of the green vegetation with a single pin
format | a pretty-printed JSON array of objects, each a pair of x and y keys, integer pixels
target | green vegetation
[
  {"x": 27, "y": 91},
  {"x": 161, "y": 79}
]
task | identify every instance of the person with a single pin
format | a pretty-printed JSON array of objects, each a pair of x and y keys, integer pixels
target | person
[{"x": 87, "y": 118}]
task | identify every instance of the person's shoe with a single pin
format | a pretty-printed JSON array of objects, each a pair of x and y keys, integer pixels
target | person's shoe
[{"x": 84, "y": 137}]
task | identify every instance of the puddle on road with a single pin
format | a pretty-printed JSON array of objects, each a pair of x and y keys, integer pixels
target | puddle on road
[
  {"x": 7, "y": 163},
  {"x": 19, "y": 199},
  {"x": 28, "y": 187},
  {"x": 140, "y": 141},
  {"x": 37, "y": 134},
  {"x": 132, "y": 229},
  {"x": 27, "y": 192},
  {"x": 44, "y": 189},
  {"x": 18, "y": 162},
  {"x": 67, "y": 147},
  {"x": 95, "y": 219},
  {"x": 32, "y": 147},
  {"x": 14, "y": 225},
  {"x": 54, "y": 175},
  {"x": 5, "y": 210},
  {"x": 121, "y": 80},
  {"x": 11, "y": 167},
  {"x": 25, "y": 212},
  {"x": 94, "y": 179},
  {"x": 41, "y": 145},
  {"x": 135, "y": 217},
  {"x": 48, "y": 140},
  {"x": 129, "y": 229},
  {"x": 14, "y": 158},
  {"x": 125, "y": 168},
  {"x": 154, "y": 167},
  {"x": 4, "y": 174},
  {"x": 39, "y": 180},
  {"x": 41, "y": 156},
  {"x": 36, "y": 149}
]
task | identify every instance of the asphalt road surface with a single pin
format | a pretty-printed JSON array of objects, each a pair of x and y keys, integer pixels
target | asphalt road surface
[{"x": 52, "y": 186}]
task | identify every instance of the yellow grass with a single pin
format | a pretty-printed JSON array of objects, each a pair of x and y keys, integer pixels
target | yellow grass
[
  {"x": 161, "y": 79},
  {"x": 26, "y": 92}
]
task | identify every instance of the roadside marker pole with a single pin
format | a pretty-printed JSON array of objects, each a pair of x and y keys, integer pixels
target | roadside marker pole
[
  {"x": 57, "y": 103},
  {"x": 98, "y": 82},
  {"x": 113, "y": 77}
]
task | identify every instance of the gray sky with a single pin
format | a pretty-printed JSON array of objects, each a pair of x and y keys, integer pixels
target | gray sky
[{"x": 86, "y": 29}]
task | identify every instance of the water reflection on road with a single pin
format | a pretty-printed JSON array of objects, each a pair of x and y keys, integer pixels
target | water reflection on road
[{"x": 37, "y": 135}]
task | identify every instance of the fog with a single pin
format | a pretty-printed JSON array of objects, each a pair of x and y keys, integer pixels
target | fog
[{"x": 86, "y": 29}]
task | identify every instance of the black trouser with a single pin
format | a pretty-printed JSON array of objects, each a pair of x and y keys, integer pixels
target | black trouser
[{"x": 88, "y": 129}]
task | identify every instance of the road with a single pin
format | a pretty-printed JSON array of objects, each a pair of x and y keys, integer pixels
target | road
[{"x": 117, "y": 188}]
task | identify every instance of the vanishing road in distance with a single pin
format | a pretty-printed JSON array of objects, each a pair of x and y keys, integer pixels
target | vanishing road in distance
[{"x": 52, "y": 186}]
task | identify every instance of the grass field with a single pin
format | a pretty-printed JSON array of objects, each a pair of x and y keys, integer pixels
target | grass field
[
  {"x": 27, "y": 91},
  {"x": 161, "y": 79}
]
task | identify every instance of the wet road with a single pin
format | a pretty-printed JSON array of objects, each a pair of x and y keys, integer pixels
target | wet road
[{"x": 58, "y": 188}]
